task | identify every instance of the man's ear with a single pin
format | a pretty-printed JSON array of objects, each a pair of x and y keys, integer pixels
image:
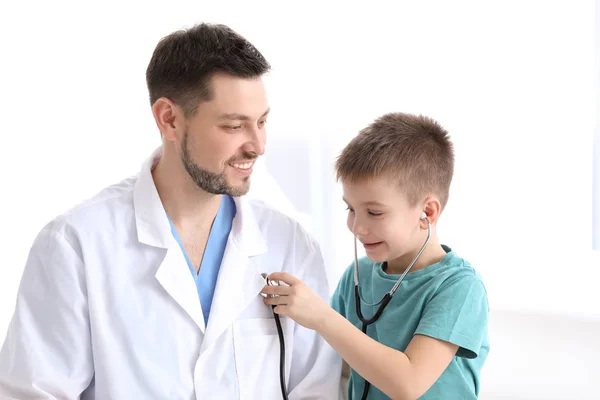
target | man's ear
[{"x": 168, "y": 117}]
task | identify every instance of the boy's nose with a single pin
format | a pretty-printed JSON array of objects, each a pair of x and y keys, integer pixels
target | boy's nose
[{"x": 359, "y": 229}]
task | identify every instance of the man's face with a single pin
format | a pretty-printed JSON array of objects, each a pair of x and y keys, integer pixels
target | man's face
[{"x": 226, "y": 136}]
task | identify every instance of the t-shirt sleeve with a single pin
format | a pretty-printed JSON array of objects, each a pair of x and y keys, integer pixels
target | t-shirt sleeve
[{"x": 458, "y": 313}]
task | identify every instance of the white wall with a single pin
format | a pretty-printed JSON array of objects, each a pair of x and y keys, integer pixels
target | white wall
[
  {"x": 596, "y": 166},
  {"x": 512, "y": 81},
  {"x": 541, "y": 356}
]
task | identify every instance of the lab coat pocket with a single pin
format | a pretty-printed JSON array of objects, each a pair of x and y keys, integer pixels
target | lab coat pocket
[{"x": 256, "y": 346}]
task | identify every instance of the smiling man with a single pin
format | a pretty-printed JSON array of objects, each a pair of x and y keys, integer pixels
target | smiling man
[{"x": 150, "y": 290}]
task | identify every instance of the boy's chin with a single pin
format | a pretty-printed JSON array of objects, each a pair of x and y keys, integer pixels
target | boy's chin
[{"x": 377, "y": 257}]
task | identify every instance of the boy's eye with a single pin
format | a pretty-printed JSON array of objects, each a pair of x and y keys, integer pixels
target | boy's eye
[
  {"x": 349, "y": 209},
  {"x": 375, "y": 214},
  {"x": 234, "y": 128}
]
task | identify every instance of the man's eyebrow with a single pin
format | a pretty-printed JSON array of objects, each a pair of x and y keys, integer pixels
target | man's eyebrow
[{"x": 240, "y": 117}]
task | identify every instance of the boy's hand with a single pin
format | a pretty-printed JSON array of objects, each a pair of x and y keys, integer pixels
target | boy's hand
[{"x": 296, "y": 301}]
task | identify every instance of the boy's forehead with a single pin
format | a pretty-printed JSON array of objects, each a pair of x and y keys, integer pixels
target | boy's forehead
[{"x": 380, "y": 190}]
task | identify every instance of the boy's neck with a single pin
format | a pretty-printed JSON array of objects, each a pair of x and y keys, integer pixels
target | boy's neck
[{"x": 433, "y": 253}]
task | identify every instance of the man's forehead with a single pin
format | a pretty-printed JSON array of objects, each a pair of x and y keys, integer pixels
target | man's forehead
[
  {"x": 238, "y": 98},
  {"x": 234, "y": 110},
  {"x": 227, "y": 86}
]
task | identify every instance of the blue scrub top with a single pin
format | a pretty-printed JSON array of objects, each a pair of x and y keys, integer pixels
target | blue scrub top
[{"x": 206, "y": 278}]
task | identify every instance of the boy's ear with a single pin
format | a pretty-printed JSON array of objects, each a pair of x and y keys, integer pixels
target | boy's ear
[{"x": 432, "y": 209}]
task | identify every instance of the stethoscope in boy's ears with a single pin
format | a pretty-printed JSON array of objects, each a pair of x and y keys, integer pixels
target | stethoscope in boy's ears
[
  {"x": 387, "y": 297},
  {"x": 366, "y": 322}
]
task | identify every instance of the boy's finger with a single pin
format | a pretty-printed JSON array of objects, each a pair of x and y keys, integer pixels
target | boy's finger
[
  {"x": 281, "y": 310},
  {"x": 278, "y": 290},
  {"x": 275, "y": 301},
  {"x": 285, "y": 277}
]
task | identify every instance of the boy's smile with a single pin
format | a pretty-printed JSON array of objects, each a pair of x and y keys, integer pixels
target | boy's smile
[{"x": 371, "y": 247}]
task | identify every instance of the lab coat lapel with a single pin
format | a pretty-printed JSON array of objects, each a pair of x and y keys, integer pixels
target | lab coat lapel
[
  {"x": 153, "y": 229},
  {"x": 174, "y": 276},
  {"x": 239, "y": 282}
]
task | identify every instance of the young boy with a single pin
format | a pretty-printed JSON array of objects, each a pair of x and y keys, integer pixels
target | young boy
[{"x": 431, "y": 340}]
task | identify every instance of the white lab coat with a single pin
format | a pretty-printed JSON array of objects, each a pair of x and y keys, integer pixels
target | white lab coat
[{"x": 107, "y": 309}]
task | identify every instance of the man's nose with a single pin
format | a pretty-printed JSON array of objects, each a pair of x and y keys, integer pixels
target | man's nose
[{"x": 257, "y": 141}]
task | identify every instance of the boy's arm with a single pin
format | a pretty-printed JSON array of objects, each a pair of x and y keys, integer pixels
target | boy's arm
[
  {"x": 399, "y": 375},
  {"x": 454, "y": 320}
]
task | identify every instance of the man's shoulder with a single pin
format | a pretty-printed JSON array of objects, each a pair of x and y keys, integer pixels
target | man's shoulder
[
  {"x": 273, "y": 221},
  {"x": 112, "y": 202}
]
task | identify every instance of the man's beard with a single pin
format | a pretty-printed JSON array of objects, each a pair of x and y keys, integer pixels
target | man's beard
[{"x": 209, "y": 181}]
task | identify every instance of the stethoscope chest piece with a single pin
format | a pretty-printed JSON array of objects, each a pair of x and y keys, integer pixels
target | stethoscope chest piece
[{"x": 269, "y": 283}]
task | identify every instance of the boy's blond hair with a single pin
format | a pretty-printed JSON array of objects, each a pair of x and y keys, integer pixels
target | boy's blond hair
[{"x": 414, "y": 151}]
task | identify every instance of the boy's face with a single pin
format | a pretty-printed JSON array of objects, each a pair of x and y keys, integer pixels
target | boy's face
[{"x": 381, "y": 218}]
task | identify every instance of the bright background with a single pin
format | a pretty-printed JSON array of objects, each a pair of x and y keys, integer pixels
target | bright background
[{"x": 514, "y": 82}]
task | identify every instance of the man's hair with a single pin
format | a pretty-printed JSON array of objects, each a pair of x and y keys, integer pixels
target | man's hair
[
  {"x": 414, "y": 151},
  {"x": 184, "y": 62}
]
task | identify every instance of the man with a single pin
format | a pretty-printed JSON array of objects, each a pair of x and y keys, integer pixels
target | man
[{"x": 150, "y": 290}]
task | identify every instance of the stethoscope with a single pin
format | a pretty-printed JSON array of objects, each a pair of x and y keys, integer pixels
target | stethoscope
[
  {"x": 386, "y": 298},
  {"x": 281, "y": 341}
]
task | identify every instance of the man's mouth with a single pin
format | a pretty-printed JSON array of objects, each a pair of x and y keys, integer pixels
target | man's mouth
[{"x": 243, "y": 165}]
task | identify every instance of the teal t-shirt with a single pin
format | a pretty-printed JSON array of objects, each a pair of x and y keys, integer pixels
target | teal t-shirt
[{"x": 446, "y": 301}]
